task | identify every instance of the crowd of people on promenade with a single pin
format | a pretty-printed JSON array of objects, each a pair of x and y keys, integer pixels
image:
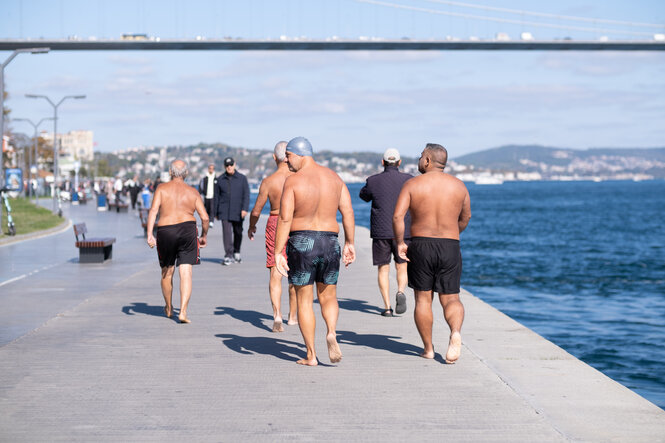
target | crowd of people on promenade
[{"x": 416, "y": 221}]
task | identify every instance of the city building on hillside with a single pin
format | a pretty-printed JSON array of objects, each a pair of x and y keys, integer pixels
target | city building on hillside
[{"x": 74, "y": 145}]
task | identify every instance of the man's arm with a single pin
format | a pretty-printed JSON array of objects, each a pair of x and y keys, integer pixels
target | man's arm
[
  {"x": 205, "y": 221},
  {"x": 152, "y": 216},
  {"x": 261, "y": 200},
  {"x": 403, "y": 203},
  {"x": 349, "y": 225},
  {"x": 365, "y": 193},
  {"x": 286, "y": 208},
  {"x": 245, "y": 197},
  {"x": 465, "y": 213}
]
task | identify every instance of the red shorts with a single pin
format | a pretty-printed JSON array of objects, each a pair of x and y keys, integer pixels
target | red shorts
[{"x": 271, "y": 231}]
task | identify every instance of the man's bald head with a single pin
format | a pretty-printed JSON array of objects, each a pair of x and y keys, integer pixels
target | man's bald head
[{"x": 178, "y": 169}]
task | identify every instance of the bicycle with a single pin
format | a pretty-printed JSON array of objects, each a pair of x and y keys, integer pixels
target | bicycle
[{"x": 10, "y": 220}]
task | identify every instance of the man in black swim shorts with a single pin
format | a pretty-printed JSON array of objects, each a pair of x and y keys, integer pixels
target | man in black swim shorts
[
  {"x": 177, "y": 242},
  {"x": 440, "y": 210}
]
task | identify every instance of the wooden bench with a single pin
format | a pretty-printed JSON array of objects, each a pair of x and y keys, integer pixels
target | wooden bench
[
  {"x": 92, "y": 250},
  {"x": 118, "y": 206}
]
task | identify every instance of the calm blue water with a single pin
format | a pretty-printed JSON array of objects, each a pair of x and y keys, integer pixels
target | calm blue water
[{"x": 580, "y": 263}]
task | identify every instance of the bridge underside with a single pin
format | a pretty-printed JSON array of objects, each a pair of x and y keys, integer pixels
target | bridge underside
[{"x": 318, "y": 45}]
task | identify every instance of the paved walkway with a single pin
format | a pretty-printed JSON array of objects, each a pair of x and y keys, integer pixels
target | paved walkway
[{"x": 87, "y": 355}]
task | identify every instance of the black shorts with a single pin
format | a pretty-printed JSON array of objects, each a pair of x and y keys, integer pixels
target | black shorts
[
  {"x": 381, "y": 250},
  {"x": 313, "y": 256},
  {"x": 435, "y": 264},
  {"x": 179, "y": 241}
]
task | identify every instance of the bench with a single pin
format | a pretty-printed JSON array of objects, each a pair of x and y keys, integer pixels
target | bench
[
  {"x": 143, "y": 216},
  {"x": 92, "y": 250},
  {"x": 118, "y": 206}
]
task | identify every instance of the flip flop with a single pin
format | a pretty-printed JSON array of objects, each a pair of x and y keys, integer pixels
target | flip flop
[
  {"x": 387, "y": 312},
  {"x": 400, "y": 305}
]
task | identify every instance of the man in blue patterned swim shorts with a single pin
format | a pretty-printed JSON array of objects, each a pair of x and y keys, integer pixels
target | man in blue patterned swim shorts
[{"x": 308, "y": 220}]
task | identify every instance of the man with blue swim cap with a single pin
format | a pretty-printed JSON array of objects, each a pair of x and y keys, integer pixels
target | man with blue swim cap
[{"x": 308, "y": 221}]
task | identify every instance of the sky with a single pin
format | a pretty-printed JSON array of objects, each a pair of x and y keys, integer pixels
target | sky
[{"x": 342, "y": 100}]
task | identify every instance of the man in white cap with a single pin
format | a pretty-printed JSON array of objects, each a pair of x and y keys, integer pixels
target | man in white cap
[{"x": 382, "y": 190}]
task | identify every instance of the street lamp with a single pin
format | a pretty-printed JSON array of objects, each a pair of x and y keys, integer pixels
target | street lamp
[
  {"x": 55, "y": 138},
  {"x": 35, "y": 126},
  {"x": 2, "y": 107}
]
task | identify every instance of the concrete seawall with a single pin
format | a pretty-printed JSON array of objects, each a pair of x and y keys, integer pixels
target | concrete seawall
[{"x": 86, "y": 354}]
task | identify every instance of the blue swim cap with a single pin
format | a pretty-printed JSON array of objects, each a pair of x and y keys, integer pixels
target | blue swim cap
[{"x": 300, "y": 146}]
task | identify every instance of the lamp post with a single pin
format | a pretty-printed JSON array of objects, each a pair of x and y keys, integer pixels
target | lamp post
[
  {"x": 2, "y": 107},
  {"x": 55, "y": 138},
  {"x": 35, "y": 126}
]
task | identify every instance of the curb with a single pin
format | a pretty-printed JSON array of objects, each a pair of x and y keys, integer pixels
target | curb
[{"x": 9, "y": 240}]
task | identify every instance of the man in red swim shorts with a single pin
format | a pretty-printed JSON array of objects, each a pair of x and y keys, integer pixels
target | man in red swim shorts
[{"x": 271, "y": 190}]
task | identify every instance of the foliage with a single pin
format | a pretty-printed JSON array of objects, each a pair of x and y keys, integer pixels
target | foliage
[{"x": 28, "y": 217}]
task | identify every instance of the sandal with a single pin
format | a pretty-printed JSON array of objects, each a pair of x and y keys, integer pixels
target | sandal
[{"x": 387, "y": 312}]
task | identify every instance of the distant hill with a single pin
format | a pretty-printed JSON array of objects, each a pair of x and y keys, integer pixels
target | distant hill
[{"x": 551, "y": 161}]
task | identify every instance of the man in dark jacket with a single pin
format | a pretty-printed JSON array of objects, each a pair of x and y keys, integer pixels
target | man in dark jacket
[
  {"x": 232, "y": 207},
  {"x": 382, "y": 190},
  {"x": 208, "y": 189}
]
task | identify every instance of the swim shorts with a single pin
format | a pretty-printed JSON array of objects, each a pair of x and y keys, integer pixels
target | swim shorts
[
  {"x": 435, "y": 264},
  {"x": 179, "y": 241},
  {"x": 271, "y": 232},
  {"x": 313, "y": 256},
  {"x": 381, "y": 250}
]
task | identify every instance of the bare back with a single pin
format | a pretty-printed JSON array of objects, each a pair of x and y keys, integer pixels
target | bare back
[
  {"x": 274, "y": 185},
  {"x": 176, "y": 202},
  {"x": 317, "y": 192},
  {"x": 439, "y": 205}
]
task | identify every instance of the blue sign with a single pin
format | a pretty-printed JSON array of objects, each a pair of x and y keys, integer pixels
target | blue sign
[{"x": 14, "y": 179}]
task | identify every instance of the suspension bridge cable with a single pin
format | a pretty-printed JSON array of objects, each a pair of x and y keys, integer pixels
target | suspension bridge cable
[
  {"x": 502, "y": 20},
  {"x": 544, "y": 14}
]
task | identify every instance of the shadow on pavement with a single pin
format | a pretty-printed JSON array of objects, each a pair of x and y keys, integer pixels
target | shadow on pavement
[
  {"x": 212, "y": 260},
  {"x": 254, "y": 318},
  {"x": 351, "y": 304},
  {"x": 146, "y": 309},
  {"x": 377, "y": 341},
  {"x": 282, "y": 349}
]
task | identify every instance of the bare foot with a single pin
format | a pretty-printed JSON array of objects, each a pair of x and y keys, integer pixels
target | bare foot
[
  {"x": 334, "y": 352},
  {"x": 292, "y": 322},
  {"x": 428, "y": 354},
  {"x": 454, "y": 348},
  {"x": 184, "y": 319},
  {"x": 277, "y": 327},
  {"x": 168, "y": 311},
  {"x": 306, "y": 362}
]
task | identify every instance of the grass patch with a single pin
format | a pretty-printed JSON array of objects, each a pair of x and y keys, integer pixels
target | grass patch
[{"x": 28, "y": 217}]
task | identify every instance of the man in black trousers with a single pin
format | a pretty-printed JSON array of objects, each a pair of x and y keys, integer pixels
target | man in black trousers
[
  {"x": 232, "y": 207},
  {"x": 382, "y": 190}
]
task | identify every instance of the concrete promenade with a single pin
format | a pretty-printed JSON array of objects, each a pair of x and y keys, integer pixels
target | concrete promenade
[{"x": 86, "y": 354}]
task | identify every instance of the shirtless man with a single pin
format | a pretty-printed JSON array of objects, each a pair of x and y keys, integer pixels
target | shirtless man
[
  {"x": 271, "y": 190},
  {"x": 175, "y": 202},
  {"x": 308, "y": 209},
  {"x": 440, "y": 210}
]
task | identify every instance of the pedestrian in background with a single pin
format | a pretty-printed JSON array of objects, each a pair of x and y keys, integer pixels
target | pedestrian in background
[
  {"x": 208, "y": 189},
  {"x": 382, "y": 190},
  {"x": 232, "y": 207}
]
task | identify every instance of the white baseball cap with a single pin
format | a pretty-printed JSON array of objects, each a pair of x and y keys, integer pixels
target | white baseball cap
[{"x": 391, "y": 155}]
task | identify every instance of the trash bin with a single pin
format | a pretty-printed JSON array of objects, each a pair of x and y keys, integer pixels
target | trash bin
[
  {"x": 101, "y": 202},
  {"x": 75, "y": 198}
]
